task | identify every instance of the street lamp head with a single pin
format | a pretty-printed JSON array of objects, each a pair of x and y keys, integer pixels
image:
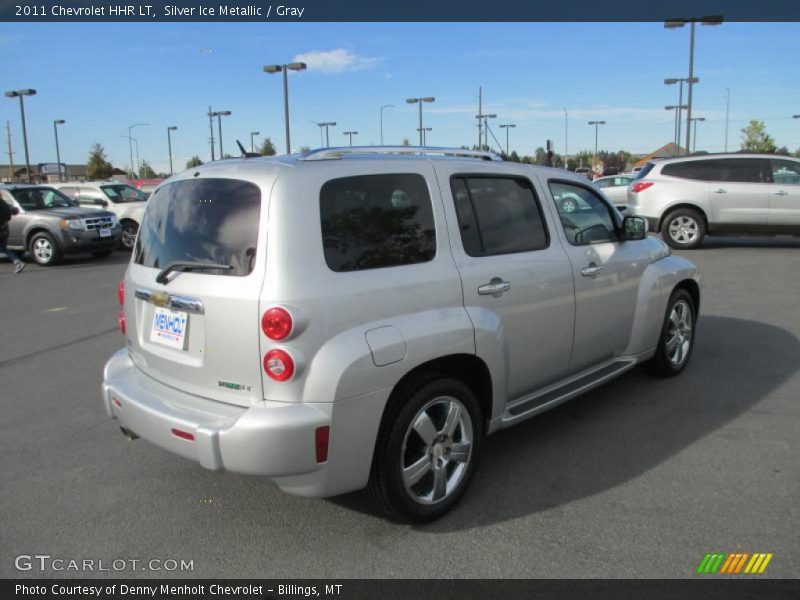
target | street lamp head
[
  {"x": 255, "y": 133},
  {"x": 12, "y": 94},
  {"x": 670, "y": 107},
  {"x": 412, "y": 100},
  {"x": 796, "y": 116},
  {"x": 597, "y": 122},
  {"x": 59, "y": 121},
  {"x": 27, "y": 92},
  {"x": 711, "y": 20},
  {"x": 297, "y": 66},
  {"x": 272, "y": 69},
  {"x": 172, "y": 128},
  {"x": 672, "y": 80},
  {"x": 674, "y": 23},
  {"x": 331, "y": 124},
  {"x": 224, "y": 113},
  {"x": 490, "y": 116},
  {"x": 429, "y": 99}
]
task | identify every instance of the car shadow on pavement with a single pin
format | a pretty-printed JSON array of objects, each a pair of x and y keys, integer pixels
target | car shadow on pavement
[{"x": 622, "y": 429}]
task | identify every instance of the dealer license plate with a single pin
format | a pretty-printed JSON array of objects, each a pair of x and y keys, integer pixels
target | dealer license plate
[{"x": 169, "y": 328}]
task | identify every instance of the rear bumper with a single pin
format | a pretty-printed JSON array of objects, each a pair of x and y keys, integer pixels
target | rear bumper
[{"x": 272, "y": 439}]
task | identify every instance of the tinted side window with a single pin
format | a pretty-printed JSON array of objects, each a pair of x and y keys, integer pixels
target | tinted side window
[
  {"x": 685, "y": 170},
  {"x": 376, "y": 221},
  {"x": 739, "y": 170},
  {"x": 585, "y": 217},
  {"x": 785, "y": 172},
  {"x": 645, "y": 170},
  {"x": 498, "y": 215}
]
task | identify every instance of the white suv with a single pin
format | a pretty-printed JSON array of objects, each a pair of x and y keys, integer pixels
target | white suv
[
  {"x": 690, "y": 197},
  {"x": 122, "y": 199},
  {"x": 364, "y": 317}
]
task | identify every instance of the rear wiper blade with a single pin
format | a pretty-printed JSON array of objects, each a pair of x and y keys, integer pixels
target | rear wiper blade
[{"x": 181, "y": 265}]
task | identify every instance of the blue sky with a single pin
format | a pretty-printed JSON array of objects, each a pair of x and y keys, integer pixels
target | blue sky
[{"x": 101, "y": 78}]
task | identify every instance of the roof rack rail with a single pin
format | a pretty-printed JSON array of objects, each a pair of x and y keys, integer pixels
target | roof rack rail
[{"x": 338, "y": 153}]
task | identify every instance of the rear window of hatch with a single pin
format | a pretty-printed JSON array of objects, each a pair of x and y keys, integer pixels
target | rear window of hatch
[{"x": 201, "y": 220}]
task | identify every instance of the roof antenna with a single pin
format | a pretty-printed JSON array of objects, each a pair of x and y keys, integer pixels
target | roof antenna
[{"x": 245, "y": 153}]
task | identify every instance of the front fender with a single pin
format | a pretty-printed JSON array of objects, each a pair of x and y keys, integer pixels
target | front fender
[{"x": 655, "y": 287}]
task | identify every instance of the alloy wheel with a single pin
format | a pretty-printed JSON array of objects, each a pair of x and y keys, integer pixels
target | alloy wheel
[
  {"x": 679, "y": 333},
  {"x": 684, "y": 230}
]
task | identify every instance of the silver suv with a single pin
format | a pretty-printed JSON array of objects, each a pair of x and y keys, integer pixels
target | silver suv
[
  {"x": 122, "y": 199},
  {"x": 690, "y": 197},
  {"x": 363, "y": 317}
]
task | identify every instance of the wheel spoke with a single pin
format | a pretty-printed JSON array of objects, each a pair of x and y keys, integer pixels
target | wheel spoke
[
  {"x": 674, "y": 318},
  {"x": 453, "y": 417},
  {"x": 439, "y": 483},
  {"x": 413, "y": 473},
  {"x": 671, "y": 344},
  {"x": 425, "y": 428},
  {"x": 460, "y": 452}
]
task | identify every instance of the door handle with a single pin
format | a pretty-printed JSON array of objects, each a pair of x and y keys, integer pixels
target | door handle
[
  {"x": 495, "y": 287},
  {"x": 720, "y": 191},
  {"x": 591, "y": 270},
  {"x": 782, "y": 193}
]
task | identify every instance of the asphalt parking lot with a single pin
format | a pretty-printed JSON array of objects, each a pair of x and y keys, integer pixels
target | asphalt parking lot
[{"x": 639, "y": 478}]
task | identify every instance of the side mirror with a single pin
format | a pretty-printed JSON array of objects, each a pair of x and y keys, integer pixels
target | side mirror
[{"x": 634, "y": 228}]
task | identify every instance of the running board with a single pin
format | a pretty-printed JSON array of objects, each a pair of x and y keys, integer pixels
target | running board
[{"x": 542, "y": 401}]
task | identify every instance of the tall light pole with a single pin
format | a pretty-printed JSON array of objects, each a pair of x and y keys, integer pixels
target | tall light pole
[
  {"x": 672, "y": 24},
  {"x": 382, "y": 107},
  {"x": 566, "y": 130},
  {"x": 20, "y": 94},
  {"x": 56, "y": 123},
  {"x": 727, "y": 114},
  {"x": 252, "y": 145},
  {"x": 420, "y": 101},
  {"x": 695, "y": 120},
  {"x": 680, "y": 81},
  {"x": 485, "y": 118},
  {"x": 351, "y": 134},
  {"x": 676, "y": 129},
  {"x": 219, "y": 114},
  {"x": 210, "y": 116},
  {"x": 169, "y": 145},
  {"x": 327, "y": 127},
  {"x": 130, "y": 146},
  {"x": 424, "y": 135},
  {"x": 596, "y": 125},
  {"x": 272, "y": 69},
  {"x": 507, "y": 127}
]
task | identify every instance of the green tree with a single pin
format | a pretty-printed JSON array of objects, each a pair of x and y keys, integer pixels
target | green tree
[
  {"x": 304, "y": 149},
  {"x": 98, "y": 167},
  {"x": 146, "y": 171},
  {"x": 783, "y": 151},
  {"x": 514, "y": 157},
  {"x": 406, "y": 141},
  {"x": 268, "y": 148},
  {"x": 193, "y": 162},
  {"x": 756, "y": 139}
]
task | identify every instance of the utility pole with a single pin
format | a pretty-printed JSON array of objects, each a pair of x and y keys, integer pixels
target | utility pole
[
  {"x": 727, "y": 113},
  {"x": 10, "y": 152},
  {"x": 480, "y": 116}
]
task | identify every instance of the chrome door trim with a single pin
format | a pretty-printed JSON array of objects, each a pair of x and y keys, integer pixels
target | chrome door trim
[{"x": 165, "y": 300}]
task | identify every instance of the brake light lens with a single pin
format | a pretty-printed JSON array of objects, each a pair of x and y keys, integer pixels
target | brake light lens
[
  {"x": 276, "y": 323},
  {"x": 121, "y": 293},
  {"x": 322, "y": 435},
  {"x": 279, "y": 365},
  {"x": 640, "y": 186},
  {"x": 121, "y": 322}
]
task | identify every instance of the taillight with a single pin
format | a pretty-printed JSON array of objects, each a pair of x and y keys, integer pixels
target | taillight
[
  {"x": 322, "y": 435},
  {"x": 640, "y": 186},
  {"x": 121, "y": 293},
  {"x": 121, "y": 321},
  {"x": 276, "y": 323},
  {"x": 279, "y": 365}
]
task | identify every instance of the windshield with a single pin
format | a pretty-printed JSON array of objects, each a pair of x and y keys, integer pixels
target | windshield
[
  {"x": 120, "y": 193},
  {"x": 201, "y": 220},
  {"x": 41, "y": 198}
]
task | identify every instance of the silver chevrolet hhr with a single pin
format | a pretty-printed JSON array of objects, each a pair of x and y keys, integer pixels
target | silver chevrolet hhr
[{"x": 363, "y": 317}]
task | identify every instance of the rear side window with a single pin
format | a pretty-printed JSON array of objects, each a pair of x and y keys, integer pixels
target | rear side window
[
  {"x": 734, "y": 170},
  {"x": 498, "y": 215},
  {"x": 785, "y": 171},
  {"x": 201, "y": 220},
  {"x": 376, "y": 221},
  {"x": 644, "y": 171}
]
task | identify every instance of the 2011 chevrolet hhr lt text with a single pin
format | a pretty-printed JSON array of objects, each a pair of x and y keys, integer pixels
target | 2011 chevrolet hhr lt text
[{"x": 363, "y": 317}]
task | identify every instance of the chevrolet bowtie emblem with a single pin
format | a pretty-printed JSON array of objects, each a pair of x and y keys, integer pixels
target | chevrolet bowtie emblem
[{"x": 160, "y": 299}]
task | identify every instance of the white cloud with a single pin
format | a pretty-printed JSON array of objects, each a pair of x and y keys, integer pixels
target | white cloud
[{"x": 339, "y": 60}]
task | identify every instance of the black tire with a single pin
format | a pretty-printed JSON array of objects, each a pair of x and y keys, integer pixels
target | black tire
[
  {"x": 683, "y": 229},
  {"x": 128, "y": 237},
  {"x": 663, "y": 362},
  {"x": 44, "y": 249},
  {"x": 399, "y": 444},
  {"x": 102, "y": 253}
]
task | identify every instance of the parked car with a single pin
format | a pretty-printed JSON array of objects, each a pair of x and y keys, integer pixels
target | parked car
[
  {"x": 585, "y": 171},
  {"x": 690, "y": 197},
  {"x": 49, "y": 225},
  {"x": 616, "y": 188},
  {"x": 125, "y": 201},
  {"x": 365, "y": 316}
]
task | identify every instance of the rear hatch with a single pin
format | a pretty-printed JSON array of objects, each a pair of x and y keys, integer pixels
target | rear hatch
[{"x": 195, "y": 327}]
